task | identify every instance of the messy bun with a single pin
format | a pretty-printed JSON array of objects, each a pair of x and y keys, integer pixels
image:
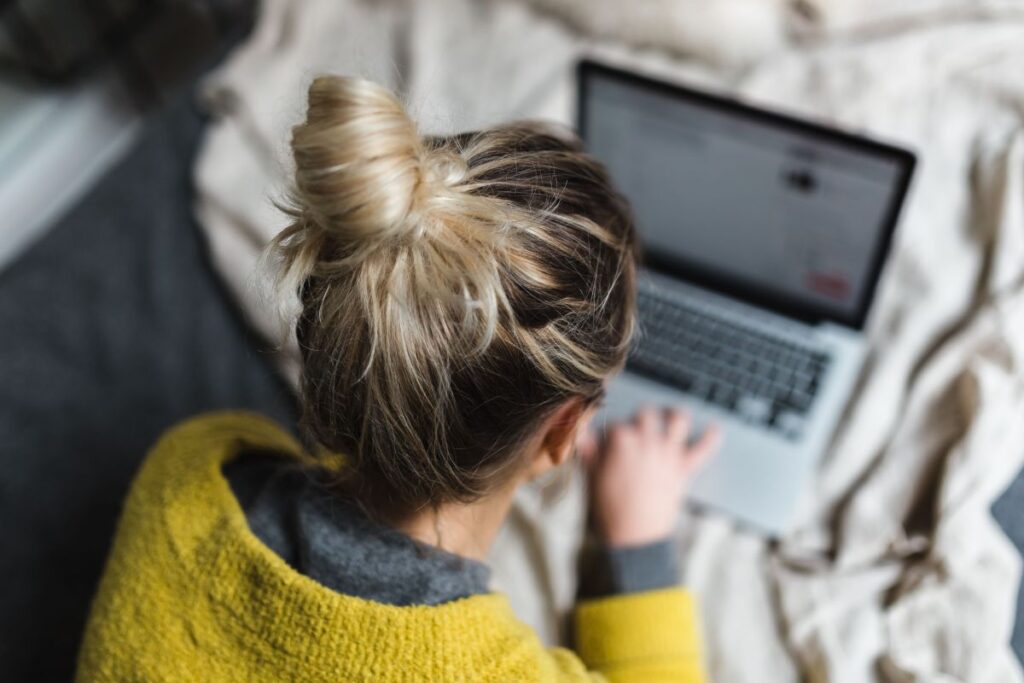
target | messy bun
[
  {"x": 366, "y": 184},
  {"x": 454, "y": 290},
  {"x": 359, "y": 160}
]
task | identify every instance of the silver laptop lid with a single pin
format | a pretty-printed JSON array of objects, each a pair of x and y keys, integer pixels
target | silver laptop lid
[{"x": 787, "y": 214}]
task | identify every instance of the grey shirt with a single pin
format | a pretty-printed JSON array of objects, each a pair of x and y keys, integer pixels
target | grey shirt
[{"x": 320, "y": 534}]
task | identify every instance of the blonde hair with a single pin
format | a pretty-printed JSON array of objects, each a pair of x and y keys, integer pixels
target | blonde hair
[{"x": 454, "y": 291}]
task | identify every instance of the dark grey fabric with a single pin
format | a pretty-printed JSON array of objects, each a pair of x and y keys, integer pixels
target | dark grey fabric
[
  {"x": 112, "y": 329},
  {"x": 632, "y": 569},
  {"x": 1009, "y": 512},
  {"x": 319, "y": 534},
  {"x": 627, "y": 569}
]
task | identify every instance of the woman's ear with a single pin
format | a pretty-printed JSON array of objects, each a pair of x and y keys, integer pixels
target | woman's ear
[{"x": 558, "y": 436}]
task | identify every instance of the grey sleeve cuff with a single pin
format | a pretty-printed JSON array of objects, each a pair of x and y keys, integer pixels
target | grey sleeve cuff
[{"x": 629, "y": 569}]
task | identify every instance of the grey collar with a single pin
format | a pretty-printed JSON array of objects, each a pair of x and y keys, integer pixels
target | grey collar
[{"x": 334, "y": 543}]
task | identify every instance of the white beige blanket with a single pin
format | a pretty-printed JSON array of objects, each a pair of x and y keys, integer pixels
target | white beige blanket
[{"x": 897, "y": 571}]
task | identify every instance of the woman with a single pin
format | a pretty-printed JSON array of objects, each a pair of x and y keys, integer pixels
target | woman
[{"x": 464, "y": 301}]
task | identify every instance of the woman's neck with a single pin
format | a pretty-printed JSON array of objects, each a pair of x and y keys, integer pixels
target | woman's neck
[{"x": 466, "y": 529}]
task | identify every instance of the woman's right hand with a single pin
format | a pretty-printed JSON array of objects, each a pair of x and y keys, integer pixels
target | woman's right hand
[{"x": 640, "y": 474}]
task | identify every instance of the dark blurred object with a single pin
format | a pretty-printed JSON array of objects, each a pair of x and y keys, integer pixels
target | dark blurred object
[{"x": 151, "y": 43}]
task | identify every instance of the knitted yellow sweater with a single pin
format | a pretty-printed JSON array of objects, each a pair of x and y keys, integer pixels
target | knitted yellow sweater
[{"x": 190, "y": 594}]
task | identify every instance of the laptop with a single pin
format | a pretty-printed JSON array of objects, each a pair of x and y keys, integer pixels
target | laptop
[{"x": 764, "y": 236}]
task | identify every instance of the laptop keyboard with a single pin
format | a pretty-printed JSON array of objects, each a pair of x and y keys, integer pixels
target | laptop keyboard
[{"x": 760, "y": 377}]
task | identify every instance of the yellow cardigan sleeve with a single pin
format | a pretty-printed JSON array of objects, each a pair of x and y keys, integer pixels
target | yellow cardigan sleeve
[{"x": 651, "y": 636}]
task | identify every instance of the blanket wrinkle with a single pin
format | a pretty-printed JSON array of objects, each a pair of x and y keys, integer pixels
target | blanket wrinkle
[{"x": 897, "y": 570}]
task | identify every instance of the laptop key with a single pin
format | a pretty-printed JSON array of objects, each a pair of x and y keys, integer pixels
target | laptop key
[
  {"x": 790, "y": 424},
  {"x": 753, "y": 408}
]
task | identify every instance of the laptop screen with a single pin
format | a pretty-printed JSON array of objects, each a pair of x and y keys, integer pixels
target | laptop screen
[{"x": 775, "y": 210}]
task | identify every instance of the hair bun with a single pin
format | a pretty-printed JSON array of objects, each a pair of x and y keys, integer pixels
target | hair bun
[{"x": 358, "y": 161}]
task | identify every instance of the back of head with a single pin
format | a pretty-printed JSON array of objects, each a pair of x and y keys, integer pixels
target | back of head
[{"x": 454, "y": 291}]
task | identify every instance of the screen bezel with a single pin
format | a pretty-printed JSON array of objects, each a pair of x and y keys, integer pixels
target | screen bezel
[{"x": 702, "y": 276}]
